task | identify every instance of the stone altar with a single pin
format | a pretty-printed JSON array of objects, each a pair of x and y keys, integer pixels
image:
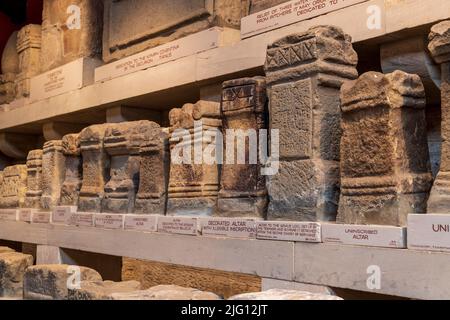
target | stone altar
[
  {"x": 9, "y": 71},
  {"x": 28, "y": 49},
  {"x": 14, "y": 187},
  {"x": 34, "y": 180},
  {"x": 53, "y": 173},
  {"x": 73, "y": 176}
]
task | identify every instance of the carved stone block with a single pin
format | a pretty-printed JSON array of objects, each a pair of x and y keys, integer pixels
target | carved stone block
[
  {"x": 193, "y": 184},
  {"x": 385, "y": 167},
  {"x": 12, "y": 270},
  {"x": 34, "y": 180},
  {"x": 71, "y": 29},
  {"x": 28, "y": 48},
  {"x": 10, "y": 69},
  {"x": 242, "y": 187},
  {"x": 73, "y": 176},
  {"x": 304, "y": 73},
  {"x": 161, "y": 22},
  {"x": 53, "y": 172},
  {"x": 14, "y": 187}
]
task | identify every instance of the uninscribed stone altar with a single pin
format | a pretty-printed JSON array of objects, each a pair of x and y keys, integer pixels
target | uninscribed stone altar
[
  {"x": 439, "y": 46},
  {"x": 122, "y": 143},
  {"x": 14, "y": 187},
  {"x": 135, "y": 25},
  {"x": 71, "y": 29},
  {"x": 53, "y": 172},
  {"x": 304, "y": 73},
  {"x": 34, "y": 180},
  {"x": 154, "y": 173},
  {"x": 72, "y": 179},
  {"x": 193, "y": 184},
  {"x": 96, "y": 166},
  {"x": 243, "y": 189},
  {"x": 385, "y": 167}
]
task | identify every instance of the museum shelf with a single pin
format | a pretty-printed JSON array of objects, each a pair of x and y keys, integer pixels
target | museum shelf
[
  {"x": 404, "y": 273},
  {"x": 174, "y": 83}
]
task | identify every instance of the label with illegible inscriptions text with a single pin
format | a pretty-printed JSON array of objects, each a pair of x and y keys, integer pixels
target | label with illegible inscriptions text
[{"x": 229, "y": 227}]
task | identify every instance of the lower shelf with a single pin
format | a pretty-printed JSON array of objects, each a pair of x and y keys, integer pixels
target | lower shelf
[{"x": 397, "y": 272}]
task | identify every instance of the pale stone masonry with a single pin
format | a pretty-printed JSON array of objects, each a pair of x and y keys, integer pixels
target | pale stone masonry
[
  {"x": 9, "y": 71},
  {"x": 385, "y": 167},
  {"x": 14, "y": 187},
  {"x": 243, "y": 187},
  {"x": 154, "y": 173},
  {"x": 12, "y": 269},
  {"x": 304, "y": 73},
  {"x": 34, "y": 180},
  {"x": 96, "y": 167},
  {"x": 439, "y": 46},
  {"x": 73, "y": 175},
  {"x": 71, "y": 29},
  {"x": 194, "y": 186},
  {"x": 29, "y": 49},
  {"x": 122, "y": 142},
  {"x": 53, "y": 173}
]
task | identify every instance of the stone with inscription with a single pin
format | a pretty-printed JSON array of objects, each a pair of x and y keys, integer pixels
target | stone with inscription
[
  {"x": 122, "y": 143},
  {"x": 101, "y": 290},
  {"x": 49, "y": 282},
  {"x": 193, "y": 183},
  {"x": 25, "y": 215},
  {"x": 385, "y": 166},
  {"x": 154, "y": 173},
  {"x": 266, "y": 15},
  {"x": 242, "y": 186},
  {"x": 96, "y": 168},
  {"x": 9, "y": 214},
  {"x": 439, "y": 46},
  {"x": 34, "y": 179},
  {"x": 9, "y": 70},
  {"x": 71, "y": 29},
  {"x": 41, "y": 217},
  {"x": 29, "y": 49},
  {"x": 73, "y": 176},
  {"x": 63, "y": 214},
  {"x": 82, "y": 219},
  {"x": 170, "y": 20},
  {"x": 178, "y": 225},
  {"x": 289, "y": 231},
  {"x": 166, "y": 292},
  {"x": 429, "y": 232},
  {"x": 283, "y": 294},
  {"x": 304, "y": 73},
  {"x": 229, "y": 227},
  {"x": 108, "y": 221},
  {"x": 141, "y": 222},
  {"x": 12, "y": 270},
  {"x": 360, "y": 235},
  {"x": 14, "y": 187},
  {"x": 53, "y": 173}
]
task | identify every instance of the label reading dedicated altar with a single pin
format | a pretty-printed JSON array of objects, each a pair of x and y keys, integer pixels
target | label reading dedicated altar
[
  {"x": 63, "y": 214},
  {"x": 430, "y": 232},
  {"x": 178, "y": 225},
  {"x": 9, "y": 214},
  {"x": 289, "y": 13},
  {"x": 41, "y": 217},
  {"x": 108, "y": 221},
  {"x": 57, "y": 81},
  {"x": 289, "y": 231},
  {"x": 371, "y": 236},
  {"x": 26, "y": 214},
  {"x": 141, "y": 222},
  {"x": 229, "y": 227},
  {"x": 198, "y": 42}
]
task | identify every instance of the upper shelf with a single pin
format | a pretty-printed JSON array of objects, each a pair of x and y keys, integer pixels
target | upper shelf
[{"x": 168, "y": 85}]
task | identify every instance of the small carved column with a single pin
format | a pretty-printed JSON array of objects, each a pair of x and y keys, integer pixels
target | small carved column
[
  {"x": 34, "y": 180},
  {"x": 14, "y": 187},
  {"x": 96, "y": 166},
  {"x": 28, "y": 48},
  {"x": 243, "y": 188},
  {"x": 53, "y": 172},
  {"x": 304, "y": 74},
  {"x": 439, "y": 201},
  {"x": 385, "y": 167},
  {"x": 72, "y": 180}
]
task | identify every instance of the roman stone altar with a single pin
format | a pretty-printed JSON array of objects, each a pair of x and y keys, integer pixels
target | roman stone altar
[
  {"x": 14, "y": 187},
  {"x": 34, "y": 180},
  {"x": 53, "y": 173},
  {"x": 243, "y": 187},
  {"x": 304, "y": 73},
  {"x": 73, "y": 176},
  {"x": 29, "y": 49},
  {"x": 385, "y": 167},
  {"x": 9, "y": 71}
]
